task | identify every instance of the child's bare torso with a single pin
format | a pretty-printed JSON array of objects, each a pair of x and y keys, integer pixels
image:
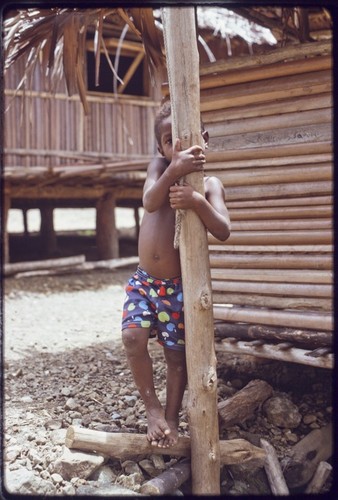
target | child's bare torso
[{"x": 157, "y": 254}]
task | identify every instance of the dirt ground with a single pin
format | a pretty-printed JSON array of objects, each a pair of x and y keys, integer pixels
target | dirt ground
[{"x": 61, "y": 340}]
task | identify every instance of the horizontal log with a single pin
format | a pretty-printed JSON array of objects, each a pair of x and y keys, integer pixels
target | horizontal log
[
  {"x": 277, "y": 250},
  {"x": 273, "y": 275},
  {"x": 269, "y": 151},
  {"x": 10, "y": 269},
  {"x": 306, "y": 201},
  {"x": 293, "y": 319},
  {"x": 291, "y": 105},
  {"x": 276, "y": 175},
  {"x": 268, "y": 351},
  {"x": 226, "y": 127},
  {"x": 82, "y": 267},
  {"x": 317, "y": 237},
  {"x": 277, "y": 261},
  {"x": 245, "y": 214},
  {"x": 280, "y": 225},
  {"x": 274, "y": 70},
  {"x": 297, "y": 51},
  {"x": 302, "y": 338},
  {"x": 263, "y": 91},
  {"x": 278, "y": 190},
  {"x": 279, "y": 137},
  {"x": 273, "y": 302},
  {"x": 123, "y": 445},
  {"x": 282, "y": 288}
]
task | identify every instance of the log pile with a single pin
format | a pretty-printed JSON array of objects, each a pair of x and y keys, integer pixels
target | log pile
[{"x": 270, "y": 130}]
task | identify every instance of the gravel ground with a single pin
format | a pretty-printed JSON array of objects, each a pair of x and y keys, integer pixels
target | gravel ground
[{"x": 65, "y": 365}]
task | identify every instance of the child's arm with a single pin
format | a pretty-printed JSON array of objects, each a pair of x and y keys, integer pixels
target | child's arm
[
  {"x": 161, "y": 175},
  {"x": 211, "y": 210}
]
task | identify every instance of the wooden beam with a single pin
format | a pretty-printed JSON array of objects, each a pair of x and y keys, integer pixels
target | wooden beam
[
  {"x": 183, "y": 74},
  {"x": 131, "y": 70},
  {"x": 106, "y": 232},
  {"x": 5, "y": 207}
]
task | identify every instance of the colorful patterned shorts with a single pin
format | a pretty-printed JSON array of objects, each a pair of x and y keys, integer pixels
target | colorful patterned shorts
[{"x": 156, "y": 304}]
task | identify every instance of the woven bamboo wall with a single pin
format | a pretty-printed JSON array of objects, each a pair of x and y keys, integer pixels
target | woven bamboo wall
[
  {"x": 44, "y": 129},
  {"x": 271, "y": 145}
]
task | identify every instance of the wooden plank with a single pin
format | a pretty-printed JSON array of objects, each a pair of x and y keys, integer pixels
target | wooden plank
[
  {"x": 300, "y": 201},
  {"x": 277, "y": 250},
  {"x": 320, "y": 321},
  {"x": 183, "y": 68},
  {"x": 279, "y": 225}
]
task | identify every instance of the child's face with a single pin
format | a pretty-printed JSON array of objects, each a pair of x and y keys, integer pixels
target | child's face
[{"x": 165, "y": 148}]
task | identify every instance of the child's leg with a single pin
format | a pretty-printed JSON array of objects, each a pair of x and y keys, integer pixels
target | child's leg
[
  {"x": 176, "y": 384},
  {"x": 135, "y": 342}
]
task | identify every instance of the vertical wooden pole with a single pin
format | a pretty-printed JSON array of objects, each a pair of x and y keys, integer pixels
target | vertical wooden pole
[
  {"x": 183, "y": 74},
  {"x": 6, "y": 207},
  {"x": 106, "y": 233},
  {"x": 47, "y": 231}
]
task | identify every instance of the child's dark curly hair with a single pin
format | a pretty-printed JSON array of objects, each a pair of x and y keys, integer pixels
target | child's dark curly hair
[{"x": 163, "y": 113}]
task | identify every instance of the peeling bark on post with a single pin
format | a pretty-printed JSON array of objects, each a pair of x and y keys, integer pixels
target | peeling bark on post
[{"x": 183, "y": 74}]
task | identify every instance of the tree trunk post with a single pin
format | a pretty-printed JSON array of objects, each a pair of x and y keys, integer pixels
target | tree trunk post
[
  {"x": 183, "y": 74},
  {"x": 6, "y": 206},
  {"x": 47, "y": 231},
  {"x": 106, "y": 233}
]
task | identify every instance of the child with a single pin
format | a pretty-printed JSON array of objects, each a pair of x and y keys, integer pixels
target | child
[{"x": 154, "y": 301}]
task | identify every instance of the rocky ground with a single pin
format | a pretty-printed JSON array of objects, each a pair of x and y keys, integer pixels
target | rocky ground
[{"x": 64, "y": 365}]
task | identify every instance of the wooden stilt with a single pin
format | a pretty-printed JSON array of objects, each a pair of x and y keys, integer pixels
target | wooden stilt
[
  {"x": 183, "y": 75},
  {"x": 6, "y": 207},
  {"x": 106, "y": 232},
  {"x": 47, "y": 231}
]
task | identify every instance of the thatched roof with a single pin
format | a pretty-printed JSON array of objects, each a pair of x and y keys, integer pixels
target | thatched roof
[{"x": 55, "y": 38}]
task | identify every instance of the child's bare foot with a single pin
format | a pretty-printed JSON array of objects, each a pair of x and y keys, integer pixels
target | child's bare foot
[
  {"x": 158, "y": 428},
  {"x": 171, "y": 438}
]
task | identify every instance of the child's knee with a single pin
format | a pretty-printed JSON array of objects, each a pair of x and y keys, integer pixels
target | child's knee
[{"x": 133, "y": 339}]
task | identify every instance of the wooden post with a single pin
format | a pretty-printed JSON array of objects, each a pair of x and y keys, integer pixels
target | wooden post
[
  {"x": 106, "y": 233},
  {"x": 183, "y": 75},
  {"x": 6, "y": 207},
  {"x": 47, "y": 231}
]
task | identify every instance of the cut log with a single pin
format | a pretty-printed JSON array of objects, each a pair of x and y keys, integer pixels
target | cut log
[
  {"x": 10, "y": 269},
  {"x": 303, "y": 338},
  {"x": 82, "y": 267},
  {"x": 302, "y": 462},
  {"x": 242, "y": 405},
  {"x": 168, "y": 481},
  {"x": 273, "y": 470},
  {"x": 317, "y": 482},
  {"x": 122, "y": 446}
]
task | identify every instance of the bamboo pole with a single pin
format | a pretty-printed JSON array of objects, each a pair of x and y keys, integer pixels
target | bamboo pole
[
  {"x": 279, "y": 237},
  {"x": 273, "y": 302},
  {"x": 309, "y": 212},
  {"x": 284, "y": 289},
  {"x": 183, "y": 74},
  {"x": 294, "y": 319},
  {"x": 287, "y": 276}
]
